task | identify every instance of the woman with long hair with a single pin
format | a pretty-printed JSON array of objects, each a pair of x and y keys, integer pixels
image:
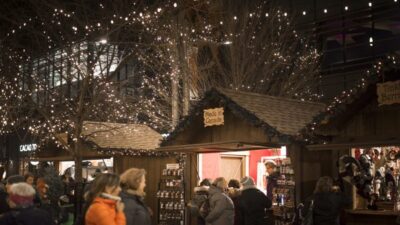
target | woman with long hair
[
  {"x": 133, "y": 182},
  {"x": 105, "y": 206},
  {"x": 327, "y": 202}
]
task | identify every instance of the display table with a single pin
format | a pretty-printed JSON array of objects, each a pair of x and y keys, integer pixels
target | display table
[{"x": 364, "y": 216}]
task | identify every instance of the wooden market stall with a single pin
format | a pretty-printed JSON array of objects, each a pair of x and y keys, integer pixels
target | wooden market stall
[
  {"x": 369, "y": 118},
  {"x": 226, "y": 120}
]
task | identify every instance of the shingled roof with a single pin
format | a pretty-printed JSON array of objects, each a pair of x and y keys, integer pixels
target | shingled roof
[
  {"x": 121, "y": 136},
  {"x": 287, "y": 116},
  {"x": 276, "y": 115}
]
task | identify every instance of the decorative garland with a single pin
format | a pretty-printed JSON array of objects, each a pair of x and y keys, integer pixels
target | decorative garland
[
  {"x": 138, "y": 153},
  {"x": 209, "y": 98},
  {"x": 341, "y": 102}
]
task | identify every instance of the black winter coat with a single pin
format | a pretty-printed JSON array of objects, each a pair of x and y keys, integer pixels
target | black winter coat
[
  {"x": 26, "y": 216},
  {"x": 272, "y": 182},
  {"x": 327, "y": 207},
  {"x": 253, "y": 204},
  {"x": 3, "y": 202},
  {"x": 136, "y": 211}
]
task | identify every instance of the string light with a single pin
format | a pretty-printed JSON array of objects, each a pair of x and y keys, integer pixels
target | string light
[
  {"x": 156, "y": 59},
  {"x": 337, "y": 105}
]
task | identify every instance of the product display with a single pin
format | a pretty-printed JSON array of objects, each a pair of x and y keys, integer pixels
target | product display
[
  {"x": 171, "y": 196},
  {"x": 284, "y": 194}
]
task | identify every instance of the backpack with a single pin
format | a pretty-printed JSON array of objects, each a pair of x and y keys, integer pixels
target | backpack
[
  {"x": 204, "y": 208},
  {"x": 309, "y": 218},
  {"x": 80, "y": 217}
]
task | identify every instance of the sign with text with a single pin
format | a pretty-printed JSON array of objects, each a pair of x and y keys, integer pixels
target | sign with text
[
  {"x": 388, "y": 92},
  {"x": 28, "y": 148},
  {"x": 213, "y": 117},
  {"x": 172, "y": 166}
]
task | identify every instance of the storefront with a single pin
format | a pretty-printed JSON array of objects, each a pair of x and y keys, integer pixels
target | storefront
[
  {"x": 103, "y": 139},
  {"x": 237, "y": 164},
  {"x": 232, "y": 134},
  {"x": 367, "y": 124}
]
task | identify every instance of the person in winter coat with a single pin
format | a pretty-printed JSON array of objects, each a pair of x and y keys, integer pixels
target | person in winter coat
[
  {"x": 221, "y": 206},
  {"x": 4, "y": 207},
  {"x": 23, "y": 211},
  {"x": 234, "y": 193},
  {"x": 30, "y": 179},
  {"x": 327, "y": 203},
  {"x": 199, "y": 198},
  {"x": 105, "y": 206},
  {"x": 133, "y": 182},
  {"x": 253, "y": 203}
]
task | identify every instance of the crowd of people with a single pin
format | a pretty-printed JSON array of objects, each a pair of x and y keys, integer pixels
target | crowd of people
[
  {"x": 108, "y": 200},
  {"x": 119, "y": 200},
  {"x": 220, "y": 202},
  {"x": 241, "y": 203}
]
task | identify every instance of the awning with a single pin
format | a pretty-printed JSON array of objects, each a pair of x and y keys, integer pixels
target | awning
[
  {"x": 355, "y": 144},
  {"x": 218, "y": 147}
]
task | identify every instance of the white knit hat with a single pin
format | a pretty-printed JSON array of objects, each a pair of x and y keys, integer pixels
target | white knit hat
[{"x": 247, "y": 182}]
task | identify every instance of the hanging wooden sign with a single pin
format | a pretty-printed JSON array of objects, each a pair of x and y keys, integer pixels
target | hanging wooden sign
[
  {"x": 388, "y": 92},
  {"x": 213, "y": 117}
]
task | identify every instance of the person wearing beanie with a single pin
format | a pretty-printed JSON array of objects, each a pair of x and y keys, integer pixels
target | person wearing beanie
[
  {"x": 252, "y": 203},
  {"x": 4, "y": 207},
  {"x": 23, "y": 211}
]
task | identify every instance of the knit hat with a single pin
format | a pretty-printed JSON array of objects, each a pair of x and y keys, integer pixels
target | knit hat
[
  {"x": 247, "y": 182},
  {"x": 15, "y": 179},
  {"x": 22, "y": 194}
]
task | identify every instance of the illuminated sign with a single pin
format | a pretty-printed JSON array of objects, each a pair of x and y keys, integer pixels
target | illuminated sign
[
  {"x": 28, "y": 148},
  {"x": 388, "y": 93}
]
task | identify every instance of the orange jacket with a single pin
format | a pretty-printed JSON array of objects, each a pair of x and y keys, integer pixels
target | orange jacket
[{"x": 103, "y": 212}]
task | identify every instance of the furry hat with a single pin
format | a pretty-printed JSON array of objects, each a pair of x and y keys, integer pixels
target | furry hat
[{"x": 22, "y": 194}]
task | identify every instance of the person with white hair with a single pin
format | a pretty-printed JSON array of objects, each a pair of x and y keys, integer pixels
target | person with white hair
[
  {"x": 23, "y": 211},
  {"x": 221, "y": 206},
  {"x": 253, "y": 203}
]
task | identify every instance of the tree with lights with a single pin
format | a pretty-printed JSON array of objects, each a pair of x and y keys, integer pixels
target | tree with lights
[
  {"x": 59, "y": 71},
  {"x": 61, "y": 66},
  {"x": 178, "y": 48},
  {"x": 247, "y": 46}
]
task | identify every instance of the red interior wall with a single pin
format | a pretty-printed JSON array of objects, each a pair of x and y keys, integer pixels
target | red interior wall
[
  {"x": 211, "y": 162},
  {"x": 255, "y": 157},
  {"x": 211, "y": 165}
]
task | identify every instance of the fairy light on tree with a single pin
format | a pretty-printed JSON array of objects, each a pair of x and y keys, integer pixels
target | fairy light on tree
[
  {"x": 176, "y": 49},
  {"x": 59, "y": 70},
  {"x": 247, "y": 46}
]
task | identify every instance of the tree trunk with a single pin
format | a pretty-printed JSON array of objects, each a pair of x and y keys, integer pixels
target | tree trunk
[
  {"x": 79, "y": 188},
  {"x": 183, "y": 61},
  {"x": 175, "y": 102}
]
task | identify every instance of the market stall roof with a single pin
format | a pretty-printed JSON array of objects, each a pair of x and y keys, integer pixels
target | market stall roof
[
  {"x": 288, "y": 116},
  {"x": 344, "y": 107},
  {"x": 275, "y": 116},
  {"x": 121, "y": 136},
  {"x": 346, "y": 121}
]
